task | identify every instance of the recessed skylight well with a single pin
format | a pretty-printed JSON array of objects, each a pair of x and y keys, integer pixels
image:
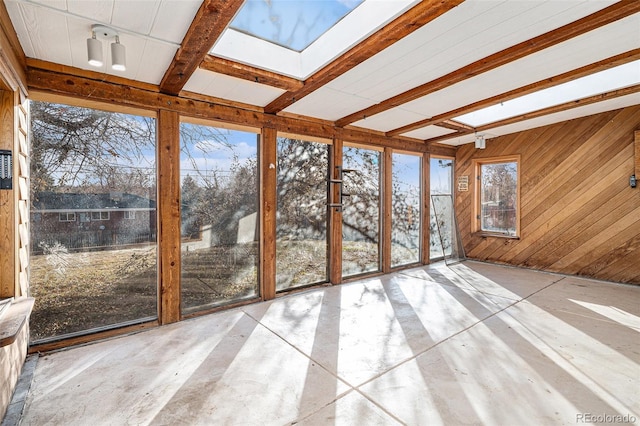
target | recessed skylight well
[
  {"x": 293, "y": 24},
  {"x": 601, "y": 82},
  {"x": 298, "y": 37}
]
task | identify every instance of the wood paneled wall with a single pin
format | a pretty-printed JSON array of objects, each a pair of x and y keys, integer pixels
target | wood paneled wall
[
  {"x": 14, "y": 203},
  {"x": 7, "y": 202},
  {"x": 579, "y": 214}
]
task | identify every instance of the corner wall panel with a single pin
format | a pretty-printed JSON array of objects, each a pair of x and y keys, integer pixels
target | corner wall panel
[{"x": 578, "y": 213}]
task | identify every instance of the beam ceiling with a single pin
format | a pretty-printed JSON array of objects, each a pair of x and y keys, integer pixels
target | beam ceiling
[
  {"x": 542, "y": 112},
  {"x": 418, "y": 74},
  {"x": 605, "y": 64},
  {"x": 209, "y": 23},
  {"x": 421, "y": 14},
  {"x": 610, "y": 14}
]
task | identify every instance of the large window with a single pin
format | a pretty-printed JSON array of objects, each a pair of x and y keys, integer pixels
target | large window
[
  {"x": 301, "y": 217},
  {"x": 219, "y": 216},
  {"x": 405, "y": 210},
  {"x": 91, "y": 273},
  {"x": 497, "y": 194}
]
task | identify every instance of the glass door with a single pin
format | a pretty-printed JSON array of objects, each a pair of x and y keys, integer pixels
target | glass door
[
  {"x": 361, "y": 211},
  {"x": 441, "y": 227},
  {"x": 301, "y": 216},
  {"x": 405, "y": 209},
  {"x": 219, "y": 216}
]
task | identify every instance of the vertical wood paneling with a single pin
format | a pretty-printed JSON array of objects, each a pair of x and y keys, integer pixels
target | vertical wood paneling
[
  {"x": 22, "y": 200},
  {"x": 578, "y": 213},
  {"x": 169, "y": 216},
  {"x": 335, "y": 216},
  {"x": 7, "y": 202},
  {"x": 268, "y": 197}
]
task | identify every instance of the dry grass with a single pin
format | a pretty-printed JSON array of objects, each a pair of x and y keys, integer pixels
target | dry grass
[{"x": 81, "y": 291}]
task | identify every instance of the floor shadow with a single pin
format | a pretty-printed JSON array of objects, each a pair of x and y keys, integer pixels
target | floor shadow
[{"x": 191, "y": 398}]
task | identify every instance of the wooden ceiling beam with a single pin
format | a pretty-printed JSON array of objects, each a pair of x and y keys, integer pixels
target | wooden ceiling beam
[
  {"x": 418, "y": 16},
  {"x": 563, "y": 107},
  {"x": 210, "y": 21},
  {"x": 598, "y": 19},
  {"x": 95, "y": 90},
  {"x": 605, "y": 64},
  {"x": 542, "y": 112},
  {"x": 249, "y": 73},
  {"x": 454, "y": 125}
]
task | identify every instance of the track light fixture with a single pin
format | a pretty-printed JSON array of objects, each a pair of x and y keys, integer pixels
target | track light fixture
[
  {"x": 94, "y": 51},
  {"x": 94, "y": 48}
]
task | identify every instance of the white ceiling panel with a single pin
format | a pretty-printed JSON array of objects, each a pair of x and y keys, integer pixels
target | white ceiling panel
[
  {"x": 457, "y": 39},
  {"x": 605, "y": 81},
  {"x": 392, "y": 118},
  {"x": 355, "y": 26},
  {"x": 94, "y": 10},
  {"x": 56, "y": 4},
  {"x": 613, "y": 39},
  {"x": 621, "y": 102},
  {"x": 15, "y": 13},
  {"x": 198, "y": 81},
  {"x": 328, "y": 104},
  {"x": 135, "y": 15},
  {"x": 153, "y": 61},
  {"x": 246, "y": 49},
  {"x": 174, "y": 18},
  {"x": 417, "y": 48},
  {"x": 428, "y": 132},
  {"x": 231, "y": 88},
  {"x": 48, "y": 33}
]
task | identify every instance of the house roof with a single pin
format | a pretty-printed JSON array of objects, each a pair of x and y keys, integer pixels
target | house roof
[
  {"x": 70, "y": 201},
  {"x": 431, "y": 70}
]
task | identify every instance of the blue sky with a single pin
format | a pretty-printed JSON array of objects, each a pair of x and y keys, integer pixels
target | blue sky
[
  {"x": 217, "y": 152},
  {"x": 291, "y": 23},
  {"x": 440, "y": 177}
]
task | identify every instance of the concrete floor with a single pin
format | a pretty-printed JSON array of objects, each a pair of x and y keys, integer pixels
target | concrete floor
[{"x": 468, "y": 344}]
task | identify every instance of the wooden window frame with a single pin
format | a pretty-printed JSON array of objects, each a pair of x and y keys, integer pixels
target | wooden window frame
[
  {"x": 476, "y": 226},
  {"x": 129, "y": 214}
]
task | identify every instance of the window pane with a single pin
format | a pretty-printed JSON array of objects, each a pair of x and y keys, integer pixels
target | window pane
[
  {"x": 499, "y": 197},
  {"x": 301, "y": 217},
  {"x": 405, "y": 231},
  {"x": 219, "y": 219},
  {"x": 88, "y": 164},
  {"x": 361, "y": 212},
  {"x": 441, "y": 181}
]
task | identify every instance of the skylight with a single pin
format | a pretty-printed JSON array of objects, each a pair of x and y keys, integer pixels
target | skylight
[
  {"x": 601, "y": 82},
  {"x": 293, "y": 24}
]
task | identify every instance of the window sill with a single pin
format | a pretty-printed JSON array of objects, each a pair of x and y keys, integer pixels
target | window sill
[
  {"x": 15, "y": 317},
  {"x": 485, "y": 234}
]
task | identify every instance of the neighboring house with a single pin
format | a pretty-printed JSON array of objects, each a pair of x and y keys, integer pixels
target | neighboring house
[{"x": 91, "y": 220}]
